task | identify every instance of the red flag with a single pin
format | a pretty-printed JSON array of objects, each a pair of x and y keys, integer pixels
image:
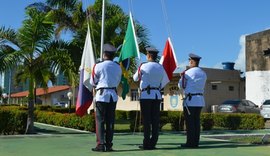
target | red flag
[{"x": 168, "y": 59}]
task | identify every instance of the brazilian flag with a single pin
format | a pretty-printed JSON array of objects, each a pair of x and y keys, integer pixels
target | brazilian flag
[{"x": 129, "y": 49}]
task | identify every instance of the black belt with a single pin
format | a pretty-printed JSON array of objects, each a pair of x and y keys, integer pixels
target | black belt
[
  {"x": 149, "y": 88},
  {"x": 102, "y": 89},
  {"x": 189, "y": 95}
]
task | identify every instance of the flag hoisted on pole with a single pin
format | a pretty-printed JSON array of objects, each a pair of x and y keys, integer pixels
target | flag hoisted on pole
[
  {"x": 168, "y": 59},
  {"x": 85, "y": 95},
  {"x": 129, "y": 49}
]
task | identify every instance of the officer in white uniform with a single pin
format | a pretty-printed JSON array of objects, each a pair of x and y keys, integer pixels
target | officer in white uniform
[
  {"x": 106, "y": 77},
  {"x": 192, "y": 81},
  {"x": 150, "y": 75}
]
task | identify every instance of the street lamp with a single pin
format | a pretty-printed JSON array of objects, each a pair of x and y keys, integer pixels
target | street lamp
[
  {"x": 69, "y": 95},
  {"x": 4, "y": 97}
]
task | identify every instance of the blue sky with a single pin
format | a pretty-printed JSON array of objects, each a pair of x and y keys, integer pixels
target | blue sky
[{"x": 213, "y": 29}]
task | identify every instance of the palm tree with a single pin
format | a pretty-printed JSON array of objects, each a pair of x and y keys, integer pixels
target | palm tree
[
  {"x": 35, "y": 53},
  {"x": 70, "y": 16}
]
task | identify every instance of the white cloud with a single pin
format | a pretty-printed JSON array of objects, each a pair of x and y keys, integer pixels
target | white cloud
[
  {"x": 218, "y": 65},
  {"x": 181, "y": 67},
  {"x": 240, "y": 62}
]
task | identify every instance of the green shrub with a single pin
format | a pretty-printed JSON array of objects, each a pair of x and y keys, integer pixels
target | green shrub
[
  {"x": 235, "y": 121},
  {"x": 133, "y": 115},
  {"x": 58, "y": 109},
  {"x": 252, "y": 121},
  {"x": 135, "y": 119},
  {"x": 120, "y": 115},
  {"x": 163, "y": 120},
  {"x": 176, "y": 118},
  {"x": 44, "y": 107},
  {"x": 87, "y": 122},
  {"x": 17, "y": 118},
  {"x": 207, "y": 121},
  {"x": 12, "y": 121}
]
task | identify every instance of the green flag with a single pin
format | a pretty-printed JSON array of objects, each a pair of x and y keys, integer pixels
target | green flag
[
  {"x": 130, "y": 46},
  {"x": 129, "y": 49}
]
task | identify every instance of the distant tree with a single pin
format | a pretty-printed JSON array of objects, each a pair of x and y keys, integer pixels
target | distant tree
[{"x": 35, "y": 53}]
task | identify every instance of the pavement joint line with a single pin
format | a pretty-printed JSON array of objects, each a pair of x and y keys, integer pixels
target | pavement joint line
[
  {"x": 215, "y": 139},
  {"x": 66, "y": 128},
  {"x": 219, "y": 135},
  {"x": 24, "y": 135}
]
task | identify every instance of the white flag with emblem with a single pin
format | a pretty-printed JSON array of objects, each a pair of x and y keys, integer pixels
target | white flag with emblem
[{"x": 88, "y": 60}]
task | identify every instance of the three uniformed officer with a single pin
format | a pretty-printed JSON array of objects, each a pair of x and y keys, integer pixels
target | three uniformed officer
[
  {"x": 150, "y": 75},
  {"x": 192, "y": 81},
  {"x": 106, "y": 77}
]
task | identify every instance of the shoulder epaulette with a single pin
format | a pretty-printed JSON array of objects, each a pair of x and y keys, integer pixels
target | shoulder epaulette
[
  {"x": 98, "y": 61},
  {"x": 143, "y": 63},
  {"x": 116, "y": 62}
]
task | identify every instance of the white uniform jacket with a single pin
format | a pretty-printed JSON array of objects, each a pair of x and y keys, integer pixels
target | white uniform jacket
[
  {"x": 193, "y": 82},
  {"x": 151, "y": 74},
  {"x": 106, "y": 74}
]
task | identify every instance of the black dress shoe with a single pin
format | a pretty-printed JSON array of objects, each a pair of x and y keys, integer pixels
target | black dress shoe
[
  {"x": 109, "y": 149},
  {"x": 188, "y": 146},
  {"x": 146, "y": 147},
  {"x": 141, "y": 147},
  {"x": 98, "y": 149}
]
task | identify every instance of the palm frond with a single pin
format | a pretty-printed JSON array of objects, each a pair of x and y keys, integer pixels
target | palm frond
[
  {"x": 66, "y": 4},
  {"x": 39, "y": 6},
  {"x": 58, "y": 56}
]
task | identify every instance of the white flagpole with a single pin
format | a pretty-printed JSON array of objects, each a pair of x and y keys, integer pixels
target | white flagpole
[
  {"x": 102, "y": 30},
  {"x": 134, "y": 34}
]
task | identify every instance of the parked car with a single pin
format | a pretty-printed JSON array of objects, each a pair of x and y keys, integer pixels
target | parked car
[
  {"x": 265, "y": 109},
  {"x": 238, "y": 106},
  {"x": 60, "y": 104}
]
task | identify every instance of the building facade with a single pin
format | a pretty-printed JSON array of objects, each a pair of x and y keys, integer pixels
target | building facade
[
  {"x": 258, "y": 66},
  {"x": 47, "y": 97},
  {"x": 221, "y": 85}
]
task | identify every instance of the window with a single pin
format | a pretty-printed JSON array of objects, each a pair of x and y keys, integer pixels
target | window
[
  {"x": 214, "y": 87},
  {"x": 134, "y": 95},
  {"x": 231, "y": 88}
]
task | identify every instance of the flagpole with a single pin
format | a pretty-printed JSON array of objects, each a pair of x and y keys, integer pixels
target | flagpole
[
  {"x": 170, "y": 42},
  {"x": 134, "y": 34},
  {"x": 102, "y": 30}
]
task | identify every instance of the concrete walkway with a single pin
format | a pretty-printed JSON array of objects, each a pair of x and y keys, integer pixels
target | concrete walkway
[{"x": 55, "y": 141}]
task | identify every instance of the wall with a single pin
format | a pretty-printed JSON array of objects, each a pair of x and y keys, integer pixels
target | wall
[
  {"x": 127, "y": 104},
  {"x": 258, "y": 86},
  {"x": 172, "y": 98},
  {"x": 257, "y": 66}
]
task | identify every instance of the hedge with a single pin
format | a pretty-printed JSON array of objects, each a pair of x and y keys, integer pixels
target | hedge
[
  {"x": 17, "y": 118},
  {"x": 12, "y": 120},
  {"x": 238, "y": 121},
  {"x": 176, "y": 119},
  {"x": 230, "y": 121},
  {"x": 87, "y": 122},
  {"x": 58, "y": 109}
]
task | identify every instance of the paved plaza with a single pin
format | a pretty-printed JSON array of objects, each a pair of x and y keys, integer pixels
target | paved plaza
[{"x": 55, "y": 141}]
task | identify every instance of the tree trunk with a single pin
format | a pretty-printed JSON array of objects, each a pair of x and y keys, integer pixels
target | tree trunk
[{"x": 30, "y": 120}]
